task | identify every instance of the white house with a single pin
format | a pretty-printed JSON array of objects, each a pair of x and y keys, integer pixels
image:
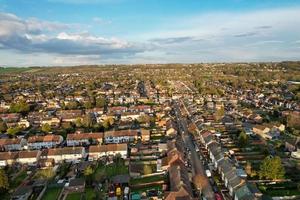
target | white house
[
  {"x": 122, "y": 136},
  {"x": 12, "y": 144},
  {"x": 8, "y": 158},
  {"x": 79, "y": 139},
  {"x": 68, "y": 154},
  {"x": 48, "y": 141},
  {"x": 96, "y": 152},
  {"x": 28, "y": 157}
]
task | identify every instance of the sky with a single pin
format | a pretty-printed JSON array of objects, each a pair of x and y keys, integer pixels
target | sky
[{"x": 79, "y": 32}]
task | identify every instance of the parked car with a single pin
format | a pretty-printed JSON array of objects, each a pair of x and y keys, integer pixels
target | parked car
[
  {"x": 208, "y": 173},
  {"x": 218, "y": 196}
]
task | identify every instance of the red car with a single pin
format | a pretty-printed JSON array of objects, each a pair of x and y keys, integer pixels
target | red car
[{"x": 218, "y": 196}]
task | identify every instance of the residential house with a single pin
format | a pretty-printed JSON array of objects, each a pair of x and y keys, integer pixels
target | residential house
[
  {"x": 46, "y": 162},
  {"x": 28, "y": 157},
  {"x": 141, "y": 108},
  {"x": 68, "y": 154},
  {"x": 208, "y": 138},
  {"x": 24, "y": 123},
  {"x": 80, "y": 139},
  {"x": 262, "y": 131},
  {"x": 52, "y": 121},
  {"x": 215, "y": 153},
  {"x": 129, "y": 116},
  {"x": 269, "y": 131},
  {"x": 117, "y": 109},
  {"x": 247, "y": 192},
  {"x": 145, "y": 135},
  {"x": 232, "y": 181},
  {"x": 120, "y": 136},
  {"x": 96, "y": 152},
  {"x": 10, "y": 117},
  {"x": 95, "y": 111},
  {"x": 180, "y": 187},
  {"x": 171, "y": 129},
  {"x": 173, "y": 156},
  {"x": 291, "y": 144},
  {"x": 8, "y": 158},
  {"x": 69, "y": 115},
  {"x": 15, "y": 144},
  {"x": 47, "y": 141}
]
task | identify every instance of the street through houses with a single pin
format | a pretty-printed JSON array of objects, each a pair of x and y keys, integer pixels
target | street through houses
[{"x": 198, "y": 168}]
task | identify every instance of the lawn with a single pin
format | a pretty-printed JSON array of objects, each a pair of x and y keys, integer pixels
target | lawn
[
  {"x": 13, "y": 70},
  {"x": 282, "y": 192},
  {"x": 90, "y": 193},
  {"x": 111, "y": 170},
  {"x": 74, "y": 196},
  {"x": 51, "y": 193},
  {"x": 280, "y": 189},
  {"x": 148, "y": 179},
  {"x": 145, "y": 189},
  {"x": 18, "y": 180}
]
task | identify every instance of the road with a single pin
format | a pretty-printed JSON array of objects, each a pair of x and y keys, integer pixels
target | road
[{"x": 197, "y": 166}]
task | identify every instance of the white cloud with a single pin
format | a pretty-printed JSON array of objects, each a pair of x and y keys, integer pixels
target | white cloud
[
  {"x": 265, "y": 35},
  {"x": 249, "y": 36},
  {"x": 32, "y": 35},
  {"x": 101, "y": 21}
]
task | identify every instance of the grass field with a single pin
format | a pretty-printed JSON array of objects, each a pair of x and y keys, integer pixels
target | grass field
[
  {"x": 13, "y": 70},
  {"x": 18, "y": 180},
  {"x": 74, "y": 196},
  {"x": 148, "y": 179},
  {"x": 51, "y": 193},
  {"x": 145, "y": 189},
  {"x": 111, "y": 170},
  {"x": 90, "y": 194}
]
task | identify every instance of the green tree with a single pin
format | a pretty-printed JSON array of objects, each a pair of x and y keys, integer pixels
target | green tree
[
  {"x": 88, "y": 171},
  {"x": 243, "y": 139},
  {"x": 144, "y": 119},
  {"x": 100, "y": 102},
  {"x": 20, "y": 107},
  {"x": 46, "y": 128},
  {"x": 108, "y": 122},
  {"x": 3, "y": 126},
  {"x": 88, "y": 105},
  {"x": 220, "y": 113},
  {"x": 248, "y": 168},
  {"x": 72, "y": 105},
  {"x": 13, "y": 130},
  {"x": 4, "y": 184},
  {"x": 45, "y": 173},
  {"x": 147, "y": 169},
  {"x": 272, "y": 168},
  {"x": 78, "y": 122},
  {"x": 88, "y": 121}
]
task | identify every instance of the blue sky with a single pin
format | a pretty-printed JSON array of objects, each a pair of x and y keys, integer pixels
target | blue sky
[{"x": 74, "y": 32}]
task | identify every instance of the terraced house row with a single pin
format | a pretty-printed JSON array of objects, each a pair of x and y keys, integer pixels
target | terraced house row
[{"x": 49, "y": 157}]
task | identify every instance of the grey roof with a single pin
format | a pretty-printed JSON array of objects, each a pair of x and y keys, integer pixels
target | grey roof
[
  {"x": 219, "y": 156},
  {"x": 77, "y": 182},
  {"x": 208, "y": 138},
  {"x": 22, "y": 190},
  {"x": 244, "y": 193},
  {"x": 235, "y": 181},
  {"x": 124, "y": 178},
  {"x": 226, "y": 166},
  {"x": 214, "y": 148}
]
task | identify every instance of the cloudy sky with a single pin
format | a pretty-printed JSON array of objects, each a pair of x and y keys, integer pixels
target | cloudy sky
[{"x": 74, "y": 32}]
